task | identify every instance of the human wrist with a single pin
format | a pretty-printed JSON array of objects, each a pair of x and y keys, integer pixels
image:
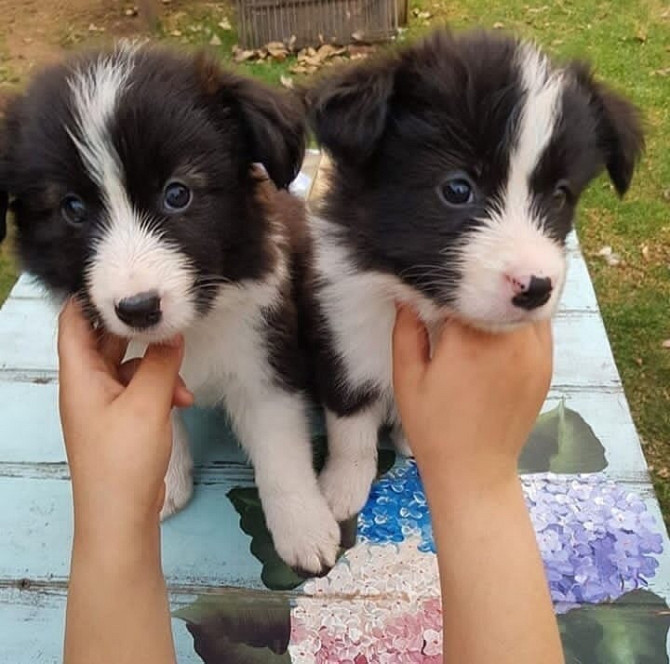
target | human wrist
[
  {"x": 457, "y": 479},
  {"x": 116, "y": 533}
]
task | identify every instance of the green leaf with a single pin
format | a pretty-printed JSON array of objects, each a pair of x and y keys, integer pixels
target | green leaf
[
  {"x": 276, "y": 574},
  {"x": 562, "y": 442},
  {"x": 632, "y": 630},
  {"x": 239, "y": 627}
]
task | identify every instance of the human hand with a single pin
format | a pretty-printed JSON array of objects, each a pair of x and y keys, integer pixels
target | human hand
[
  {"x": 116, "y": 424},
  {"x": 469, "y": 409}
]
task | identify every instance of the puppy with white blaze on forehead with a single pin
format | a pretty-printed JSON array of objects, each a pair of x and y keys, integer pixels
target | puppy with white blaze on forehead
[
  {"x": 457, "y": 166},
  {"x": 133, "y": 185}
]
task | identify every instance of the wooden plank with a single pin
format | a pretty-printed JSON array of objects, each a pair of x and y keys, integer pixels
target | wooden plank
[
  {"x": 27, "y": 336},
  {"x": 578, "y": 294},
  {"x": 34, "y": 623},
  {"x": 37, "y": 440},
  {"x": 202, "y": 546}
]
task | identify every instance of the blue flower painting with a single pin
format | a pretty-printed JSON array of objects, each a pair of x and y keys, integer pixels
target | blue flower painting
[{"x": 597, "y": 538}]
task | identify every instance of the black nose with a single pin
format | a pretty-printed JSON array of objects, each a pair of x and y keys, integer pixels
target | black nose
[
  {"x": 535, "y": 295},
  {"x": 140, "y": 311}
]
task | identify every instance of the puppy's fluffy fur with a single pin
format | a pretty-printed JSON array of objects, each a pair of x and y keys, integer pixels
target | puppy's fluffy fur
[
  {"x": 458, "y": 164},
  {"x": 132, "y": 180}
]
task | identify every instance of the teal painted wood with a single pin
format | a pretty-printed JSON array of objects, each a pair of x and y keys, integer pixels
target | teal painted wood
[
  {"x": 204, "y": 549},
  {"x": 32, "y": 624}
]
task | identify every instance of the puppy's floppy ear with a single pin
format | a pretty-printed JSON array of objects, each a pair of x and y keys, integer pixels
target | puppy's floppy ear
[
  {"x": 272, "y": 121},
  {"x": 348, "y": 111},
  {"x": 619, "y": 127}
]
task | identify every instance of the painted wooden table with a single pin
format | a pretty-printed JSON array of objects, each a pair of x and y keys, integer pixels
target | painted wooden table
[{"x": 599, "y": 528}]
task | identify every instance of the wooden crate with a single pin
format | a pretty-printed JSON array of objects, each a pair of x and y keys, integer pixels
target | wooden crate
[{"x": 311, "y": 22}]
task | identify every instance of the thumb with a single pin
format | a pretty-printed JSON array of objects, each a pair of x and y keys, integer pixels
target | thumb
[
  {"x": 411, "y": 352},
  {"x": 155, "y": 380}
]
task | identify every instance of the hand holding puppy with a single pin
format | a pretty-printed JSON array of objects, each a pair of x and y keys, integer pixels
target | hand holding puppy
[
  {"x": 469, "y": 408},
  {"x": 467, "y": 412},
  {"x": 116, "y": 423}
]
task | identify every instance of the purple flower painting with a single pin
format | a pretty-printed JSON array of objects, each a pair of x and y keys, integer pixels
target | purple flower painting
[{"x": 381, "y": 603}]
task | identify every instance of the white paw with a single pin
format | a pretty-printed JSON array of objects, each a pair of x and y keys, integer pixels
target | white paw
[
  {"x": 179, "y": 476},
  {"x": 304, "y": 532},
  {"x": 177, "y": 494},
  {"x": 400, "y": 441},
  {"x": 346, "y": 483}
]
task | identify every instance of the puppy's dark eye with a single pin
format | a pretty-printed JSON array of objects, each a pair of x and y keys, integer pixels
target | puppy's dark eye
[
  {"x": 457, "y": 190},
  {"x": 74, "y": 210},
  {"x": 177, "y": 197},
  {"x": 561, "y": 195}
]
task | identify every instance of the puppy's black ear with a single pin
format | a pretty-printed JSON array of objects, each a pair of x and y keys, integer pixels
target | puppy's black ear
[
  {"x": 348, "y": 111},
  {"x": 272, "y": 120},
  {"x": 619, "y": 127}
]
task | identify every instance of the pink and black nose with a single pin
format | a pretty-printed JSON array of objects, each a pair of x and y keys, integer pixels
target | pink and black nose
[
  {"x": 140, "y": 311},
  {"x": 531, "y": 292}
]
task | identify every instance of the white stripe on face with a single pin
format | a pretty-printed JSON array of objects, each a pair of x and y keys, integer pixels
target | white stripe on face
[
  {"x": 129, "y": 258},
  {"x": 511, "y": 246},
  {"x": 539, "y": 117},
  {"x": 95, "y": 94}
]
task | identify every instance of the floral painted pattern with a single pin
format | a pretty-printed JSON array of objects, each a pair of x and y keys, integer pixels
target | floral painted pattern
[
  {"x": 380, "y": 603},
  {"x": 377, "y": 605}
]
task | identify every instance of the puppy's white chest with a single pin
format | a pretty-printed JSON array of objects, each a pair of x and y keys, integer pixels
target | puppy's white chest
[
  {"x": 361, "y": 314},
  {"x": 223, "y": 355}
]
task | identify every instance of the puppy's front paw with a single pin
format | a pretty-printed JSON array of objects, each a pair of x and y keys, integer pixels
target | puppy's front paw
[
  {"x": 179, "y": 476},
  {"x": 305, "y": 534},
  {"x": 178, "y": 492},
  {"x": 346, "y": 483}
]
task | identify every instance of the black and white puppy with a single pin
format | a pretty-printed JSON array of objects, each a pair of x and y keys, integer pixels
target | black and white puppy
[
  {"x": 457, "y": 166},
  {"x": 132, "y": 183}
]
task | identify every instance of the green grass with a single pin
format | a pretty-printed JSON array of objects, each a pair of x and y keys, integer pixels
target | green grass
[{"x": 629, "y": 42}]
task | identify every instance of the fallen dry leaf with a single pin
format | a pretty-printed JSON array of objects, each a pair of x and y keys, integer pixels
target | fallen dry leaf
[
  {"x": 360, "y": 50},
  {"x": 224, "y": 24},
  {"x": 666, "y": 344},
  {"x": 286, "y": 81},
  {"x": 242, "y": 55},
  {"x": 327, "y": 51},
  {"x": 641, "y": 35},
  {"x": 611, "y": 258},
  {"x": 644, "y": 250},
  {"x": 498, "y": 25},
  {"x": 215, "y": 41},
  {"x": 277, "y": 51}
]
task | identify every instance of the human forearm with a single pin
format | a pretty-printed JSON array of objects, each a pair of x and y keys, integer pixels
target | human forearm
[
  {"x": 496, "y": 604},
  {"x": 117, "y": 607}
]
